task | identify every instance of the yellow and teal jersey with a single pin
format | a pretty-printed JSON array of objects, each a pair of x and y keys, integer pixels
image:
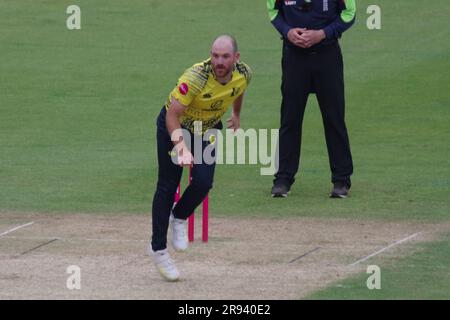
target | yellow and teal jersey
[{"x": 206, "y": 99}]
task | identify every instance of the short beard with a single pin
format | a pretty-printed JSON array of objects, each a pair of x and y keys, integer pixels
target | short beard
[{"x": 227, "y": 72}]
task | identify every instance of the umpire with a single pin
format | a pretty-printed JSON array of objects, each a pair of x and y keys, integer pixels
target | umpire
[{"x": 312, "y": 63}]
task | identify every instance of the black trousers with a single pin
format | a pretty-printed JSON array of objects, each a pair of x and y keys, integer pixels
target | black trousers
[
  {"x": 320, "y": 72},
  {"x": 169, "y": 176}
]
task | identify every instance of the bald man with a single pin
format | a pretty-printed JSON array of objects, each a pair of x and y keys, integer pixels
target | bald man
[{"x": 194, "y": 108}]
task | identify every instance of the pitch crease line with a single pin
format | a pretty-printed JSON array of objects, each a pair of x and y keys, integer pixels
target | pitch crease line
[
  {"x": 16, "y": 228},
  {"x": 386, "y": 248}
]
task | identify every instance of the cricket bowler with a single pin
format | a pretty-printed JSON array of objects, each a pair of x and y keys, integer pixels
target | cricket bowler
[{"x": 202, "y": 96}]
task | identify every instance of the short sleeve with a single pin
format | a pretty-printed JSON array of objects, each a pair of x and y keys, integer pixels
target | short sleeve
[
  {"x": 245, "y": 70},
  {"x": 189, "y": 85}
]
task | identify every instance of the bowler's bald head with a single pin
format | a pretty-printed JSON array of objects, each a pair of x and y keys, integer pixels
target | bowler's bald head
[{"x": 225, "y": 42}]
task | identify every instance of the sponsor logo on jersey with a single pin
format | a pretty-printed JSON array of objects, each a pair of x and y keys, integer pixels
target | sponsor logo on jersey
[
  {"x": 216, "y": 105},
  {"x": 183, "y": 88},
  {"x": 235, "y": 92}
]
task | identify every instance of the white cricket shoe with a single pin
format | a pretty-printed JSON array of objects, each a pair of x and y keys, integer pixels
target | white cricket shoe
[
  {"x": 165, "y": 265},
  {"x": 179, "y": 235}
]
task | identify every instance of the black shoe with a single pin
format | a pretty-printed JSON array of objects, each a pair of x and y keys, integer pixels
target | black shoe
[
  {"x": 280, "y": 190},
  {"x": 340, "y": 190}
]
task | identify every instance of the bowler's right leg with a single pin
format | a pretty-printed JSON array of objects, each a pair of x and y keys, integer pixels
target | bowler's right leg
[{"x": 169, "y": 176}]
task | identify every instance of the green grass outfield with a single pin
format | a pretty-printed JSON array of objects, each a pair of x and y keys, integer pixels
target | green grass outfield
[{"x": 78, "y": 108}]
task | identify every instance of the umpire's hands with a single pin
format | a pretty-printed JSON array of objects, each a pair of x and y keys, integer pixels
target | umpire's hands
[
  {"x": 304, "y": 38},
  {"x": 312, "y": 37},
  {"x": 294, "y": 36}
]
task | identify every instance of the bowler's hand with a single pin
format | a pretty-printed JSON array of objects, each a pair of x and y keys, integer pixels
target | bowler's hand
[
  {"x": 294, "y": 36},
  {"x": 308, "y": 38},
  {"x": 234, "y": 122},
  {"x": 184, "y": 156}
]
